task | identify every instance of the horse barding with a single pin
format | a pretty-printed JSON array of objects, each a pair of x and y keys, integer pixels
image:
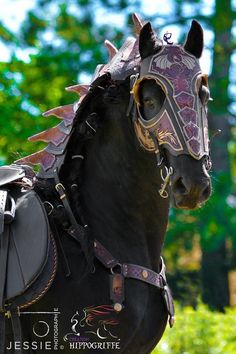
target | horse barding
[{"x": 81, "y": 241}]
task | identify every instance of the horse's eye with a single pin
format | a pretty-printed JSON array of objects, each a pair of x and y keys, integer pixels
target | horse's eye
[
  {"x": 149, "y": 103},
  {"x": 204, "y": 94}
]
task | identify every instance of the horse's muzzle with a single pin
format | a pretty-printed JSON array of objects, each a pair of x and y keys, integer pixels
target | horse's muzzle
[{"x": 190, "y": 193}]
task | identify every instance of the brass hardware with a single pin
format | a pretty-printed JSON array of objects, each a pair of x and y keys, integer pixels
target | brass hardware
[
  {"x": 59, "y": 186},
  {"x": 144, "y": 274},
  {"x": 117, "y": 307},
  {"x": 8, "y": 314}
]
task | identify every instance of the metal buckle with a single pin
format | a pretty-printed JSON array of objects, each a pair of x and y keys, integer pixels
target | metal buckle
[{"x": 60, "y": 190}]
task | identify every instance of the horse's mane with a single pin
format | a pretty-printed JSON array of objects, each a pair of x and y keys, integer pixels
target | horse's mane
[{"x": 121, "y": 64}]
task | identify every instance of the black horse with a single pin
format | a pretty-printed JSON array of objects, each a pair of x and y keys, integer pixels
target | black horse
[{"x": 121, "y": 191}]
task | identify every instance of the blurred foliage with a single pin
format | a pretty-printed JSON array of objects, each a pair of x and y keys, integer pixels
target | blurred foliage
[
  {"x": 64, "y": 40},
  {"x": 200, "y": 331}
]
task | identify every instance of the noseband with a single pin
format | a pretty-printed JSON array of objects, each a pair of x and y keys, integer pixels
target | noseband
[{"x": 181, "y": 125}]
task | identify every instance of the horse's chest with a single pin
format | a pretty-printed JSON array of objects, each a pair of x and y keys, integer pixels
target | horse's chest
[{"x": 79, "y": 315}]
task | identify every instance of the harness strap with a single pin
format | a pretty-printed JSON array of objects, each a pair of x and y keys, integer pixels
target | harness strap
[
  {"x": 16, "y": 326},
  {"x": 4, "y": 242},
  {"x": 78, "y": 232},
  {"x": 130, "y": 270},
  {"x": 3, "y": 200},
  {"x": 124, "y": 270},
  {"x": 5, "y": 218},
  {"x": 133, "y": 79},
  {"x": 137, "y": 272},
  {"x": 14, "y": 315},
  {"x": 104, "y": 256},
  {"x": 2, "y": 332}
]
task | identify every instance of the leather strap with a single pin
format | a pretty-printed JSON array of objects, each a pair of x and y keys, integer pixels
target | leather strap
[
  {"x": 137, "y": 272},
  {"x": 126, "y": 270},
  {"x": 144, "y": 274},
  {"x": 130, "y": 270},
  {"x": 3, "y": 200},
  {"x": 104, "y": 256},
  {"x": 14, "y": 315},
  {"x": 2, "y": 332},
  {"x": 78, "y": 232},
  {"x": 16, "y": 326},
  {"x": 4, "y": 241}
]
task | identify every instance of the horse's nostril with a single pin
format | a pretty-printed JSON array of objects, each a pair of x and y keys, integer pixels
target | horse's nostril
[
  {"x": 179, "y": 187},
  {"x": 206, "y": 192}
]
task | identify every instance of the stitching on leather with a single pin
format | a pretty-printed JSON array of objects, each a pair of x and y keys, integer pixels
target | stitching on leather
[{"x": 50, "y": 280}]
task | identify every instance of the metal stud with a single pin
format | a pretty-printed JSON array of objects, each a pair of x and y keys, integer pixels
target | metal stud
[
  {"x": 118, "y": 307},
  {"x": 144, "y": 274}
]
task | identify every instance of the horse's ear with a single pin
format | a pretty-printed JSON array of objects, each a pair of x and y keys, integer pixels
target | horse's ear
[
  {"x": 194, "y": 42},
  {"x": 148, "y": 42}
]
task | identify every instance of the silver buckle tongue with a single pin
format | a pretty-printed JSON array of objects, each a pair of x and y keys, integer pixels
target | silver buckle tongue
[{"x": 162, "y": 191}]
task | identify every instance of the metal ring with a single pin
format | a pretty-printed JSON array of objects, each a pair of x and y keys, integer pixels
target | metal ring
[
  {"x": 164, "y": 194},
  {"x": 116, "y": 265},
  {"x": 51, "y": 206}
]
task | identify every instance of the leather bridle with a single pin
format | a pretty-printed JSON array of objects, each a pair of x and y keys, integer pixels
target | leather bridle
[{"x": 181, "y": 125}]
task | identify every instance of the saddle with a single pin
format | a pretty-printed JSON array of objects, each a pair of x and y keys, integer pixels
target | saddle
[{"x": 28, "y": 256}]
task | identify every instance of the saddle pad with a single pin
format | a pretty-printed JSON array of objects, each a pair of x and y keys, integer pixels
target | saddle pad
[{"x": 28, "y": 243}]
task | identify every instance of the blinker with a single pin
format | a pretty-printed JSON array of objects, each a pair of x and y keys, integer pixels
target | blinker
[{"x": 181, "y": 124}]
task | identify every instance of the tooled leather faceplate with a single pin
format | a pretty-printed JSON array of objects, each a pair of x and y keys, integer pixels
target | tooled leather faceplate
[{"x": 181, "y": 125}]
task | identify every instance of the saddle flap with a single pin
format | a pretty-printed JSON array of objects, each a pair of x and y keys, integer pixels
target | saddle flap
[{"x": 28, "y": 243}]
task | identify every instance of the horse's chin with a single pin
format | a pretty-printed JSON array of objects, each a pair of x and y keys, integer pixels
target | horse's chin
[{"x": 185, "y": 204}]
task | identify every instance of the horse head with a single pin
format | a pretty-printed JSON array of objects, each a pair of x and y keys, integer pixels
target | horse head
[{"x": 171, "y": 97}]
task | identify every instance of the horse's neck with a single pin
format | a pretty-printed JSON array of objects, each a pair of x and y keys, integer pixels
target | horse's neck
[{"x": 119, "y": 196}]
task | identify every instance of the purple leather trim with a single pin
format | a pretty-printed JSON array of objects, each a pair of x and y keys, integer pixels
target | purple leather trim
[
  {"x": 144, "y": 274},
  {"x": 133, "y": 271},
  {"x": 178, "y": 73},
  {"x": 104, "y": 256}
]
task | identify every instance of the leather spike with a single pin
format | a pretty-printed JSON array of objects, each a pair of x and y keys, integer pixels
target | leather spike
[
  {"x": 40, "y": 157},
  {"x": 76, "y": 104},
  {"x": 63, "y": 112},
  {"x": 138, "y": 23},
  {"x": 80, "y": 89},
  {"x": 53, "y": 135},
  {"x": 112, "y": 50}
]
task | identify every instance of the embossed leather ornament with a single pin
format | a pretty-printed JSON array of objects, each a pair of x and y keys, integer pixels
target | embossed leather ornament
[{"x": 181, "y": 125}]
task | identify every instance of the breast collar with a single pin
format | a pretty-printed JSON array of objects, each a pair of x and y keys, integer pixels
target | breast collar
[{"x": 181, "y": 125}]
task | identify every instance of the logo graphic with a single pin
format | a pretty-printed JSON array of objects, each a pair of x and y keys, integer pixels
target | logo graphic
[
  {"x": 93, "y": 328},
  {"x": 41, "y": 329},
  {"x": 95, "y": 322}
]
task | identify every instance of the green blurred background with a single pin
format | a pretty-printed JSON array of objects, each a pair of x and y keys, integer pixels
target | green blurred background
[{"x": 46, "y": 45}]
